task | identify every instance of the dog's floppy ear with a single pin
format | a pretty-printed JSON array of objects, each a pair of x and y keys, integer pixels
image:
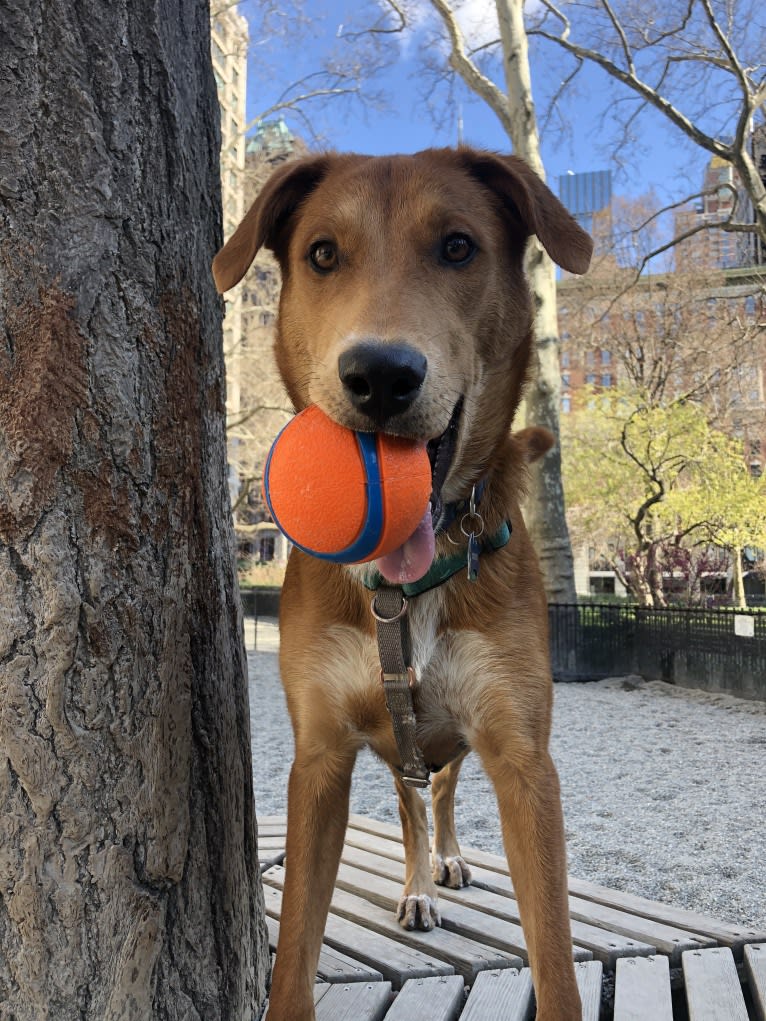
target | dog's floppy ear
[
  {"x": 533, "y": 206},
  {"x": 265, "y": 222},
  {"x": 534, "y": 442}
]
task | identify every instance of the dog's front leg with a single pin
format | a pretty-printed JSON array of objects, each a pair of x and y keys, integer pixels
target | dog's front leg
[
  {"x": 527, "y": 789},
  {"x": 448, "y": 866},
  {"x": 317, "y": 814},
  {"x": 418, "y": 907}
]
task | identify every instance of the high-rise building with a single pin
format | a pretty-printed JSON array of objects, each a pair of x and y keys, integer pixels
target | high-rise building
[
  {"x": 588, "y": 197},
  {"x": 229, "y": 39},
  {"x": 264, "y": 407},
  {"x": 712, "y": 248},
  {"x": 722, "y": 198}
]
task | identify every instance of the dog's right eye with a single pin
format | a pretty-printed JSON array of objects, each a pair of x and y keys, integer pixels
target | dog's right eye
[
  {"x": 323, "y": 256},
  {"x": 458, "y": 249}
]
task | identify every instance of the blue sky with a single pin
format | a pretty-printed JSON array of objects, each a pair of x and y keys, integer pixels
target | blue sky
[{"x": 662, "y": 161}]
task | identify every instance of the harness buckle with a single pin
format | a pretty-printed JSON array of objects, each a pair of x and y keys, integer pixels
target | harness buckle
[
  {"x": 410, "y": 677},
  {"x": 416, "y": 781}
]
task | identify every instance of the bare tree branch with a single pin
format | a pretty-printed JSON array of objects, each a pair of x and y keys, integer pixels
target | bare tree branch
[
  {"x": 468, "y": 70},
  {"x": 631, "y": 79},
  {"x": 377, "y": 28}
]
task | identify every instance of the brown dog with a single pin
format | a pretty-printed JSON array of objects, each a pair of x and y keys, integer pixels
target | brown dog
[{"x": 404, "y": 309}]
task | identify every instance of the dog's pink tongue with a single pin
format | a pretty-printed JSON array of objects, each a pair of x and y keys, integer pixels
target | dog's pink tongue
[{"x": 411, "y": 561}]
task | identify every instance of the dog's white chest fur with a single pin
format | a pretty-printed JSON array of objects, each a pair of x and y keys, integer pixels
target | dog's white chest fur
[{"x": 425, "y": 617}]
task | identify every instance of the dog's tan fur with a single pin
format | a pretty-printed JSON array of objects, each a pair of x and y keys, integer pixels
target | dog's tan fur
[{"x": 480, "y": 650}]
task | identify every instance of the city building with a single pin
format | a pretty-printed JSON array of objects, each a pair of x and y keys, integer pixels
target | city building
[
  {"x": 263, "y": 405},
  {"x": 722, "y": 198},
  {"x": 229, "y": 37},
  {"x": 587, "y": 196},
  {"x": 711, "y": 248}
]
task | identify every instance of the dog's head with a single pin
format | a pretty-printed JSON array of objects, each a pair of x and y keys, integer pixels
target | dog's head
[{"x": 404, "y": 306}]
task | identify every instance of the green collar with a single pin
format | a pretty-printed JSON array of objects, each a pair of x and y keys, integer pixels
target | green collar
[{"x": 443, "y": 568}]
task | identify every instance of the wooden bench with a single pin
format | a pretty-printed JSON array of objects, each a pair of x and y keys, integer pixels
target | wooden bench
[{"x": 636, "y": 959}]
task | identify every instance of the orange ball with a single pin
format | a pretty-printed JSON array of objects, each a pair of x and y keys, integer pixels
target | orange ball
[{"x": 342, "y": 495}]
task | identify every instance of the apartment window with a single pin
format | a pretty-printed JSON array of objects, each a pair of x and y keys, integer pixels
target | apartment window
[
  {"x": 590, "y": 379},
  {"x": 566, "y": 404},
  {"x": 565, "y": 379},
  {"x": 606, "y": 357},
  {"x": 606, "y": 379},
  {"x": 564, "y": 359}
]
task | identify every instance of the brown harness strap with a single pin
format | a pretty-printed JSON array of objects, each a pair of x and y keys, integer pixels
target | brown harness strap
[{"x": 389, "y": 607}]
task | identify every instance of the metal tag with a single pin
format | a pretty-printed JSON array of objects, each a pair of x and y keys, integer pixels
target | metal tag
[{"x": 473, "y": 557}]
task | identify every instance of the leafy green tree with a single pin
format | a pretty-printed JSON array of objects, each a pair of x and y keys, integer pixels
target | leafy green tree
[
  {"x": 624, "y": 458},
  {"x": 729, "y": 503}
]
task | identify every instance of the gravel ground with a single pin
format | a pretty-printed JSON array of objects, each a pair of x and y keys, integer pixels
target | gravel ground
[{"x": 664, "y": 788}]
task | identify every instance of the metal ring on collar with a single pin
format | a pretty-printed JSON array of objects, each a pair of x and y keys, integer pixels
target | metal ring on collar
[
  {"x": 478, "y": 518},
  {"x": 388, "y": 620}
]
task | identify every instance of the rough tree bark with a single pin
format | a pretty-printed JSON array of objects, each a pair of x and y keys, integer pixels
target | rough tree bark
[{"x": 128, "y": 871}]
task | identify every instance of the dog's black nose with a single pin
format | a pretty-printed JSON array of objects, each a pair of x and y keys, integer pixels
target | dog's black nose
[{"x": 382, "y": 380}]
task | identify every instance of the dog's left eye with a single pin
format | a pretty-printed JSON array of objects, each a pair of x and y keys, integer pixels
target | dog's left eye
[
  {"x": 323, "y": 256},
  {"x": 457, "y": 249}
]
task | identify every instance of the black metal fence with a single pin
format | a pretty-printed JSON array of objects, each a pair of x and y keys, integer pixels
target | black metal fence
[
  {"x": 260, "y": 602},
  {"x": 720, "y": 650}
]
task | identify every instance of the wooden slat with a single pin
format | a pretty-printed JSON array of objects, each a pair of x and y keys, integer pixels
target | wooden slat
[
  {"x": 475, "y": 925},
  {"x": 465, "y": 956},
  {"x": 395, "y": 961},
  {"x": 755, "y": 970},
  {"x": 270, "y": 844},
  {"x": 333, "y": 965},
  {"x": 713, "y": 991},
  {"x": 588, "y": 975},
  {"x": 360, "y": 1001},
  {"x": 471, "y": 897},
  {"x": 320, "y": 990},
  {"x": 500, "y": 996},
  {"x": 276, "y": 827},
  {"x": 722, "y": 932},
  {"x": 642, "y": 989},
  {"x": 429, "y": 999},
  {"x": 643, "y": 932},
  {"x": 605, "y": 944},
  {"x": 280, "y": 820}
]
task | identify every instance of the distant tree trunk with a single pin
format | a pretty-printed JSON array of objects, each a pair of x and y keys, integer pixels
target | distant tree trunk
[
  {"x": 544, "y": 510},
  {"x": 738, "y": 580},
  {"x": 128, "y": 870}
]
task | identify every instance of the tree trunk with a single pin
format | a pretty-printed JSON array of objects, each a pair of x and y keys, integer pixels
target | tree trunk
[
  {"x": 545, "y": 510},
  {"x": 738, "y": 579},
  {"x": 128, "y": 870},
  {"x": 637, "y": 580}
]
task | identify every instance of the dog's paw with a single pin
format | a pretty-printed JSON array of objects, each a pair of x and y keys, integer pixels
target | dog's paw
[
  {"x": 451, "y": 871},
  {"x": 418, "y": 912}
]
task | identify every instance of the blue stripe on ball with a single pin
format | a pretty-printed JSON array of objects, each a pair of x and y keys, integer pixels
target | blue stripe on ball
[{"x": 369, "y": 537}]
